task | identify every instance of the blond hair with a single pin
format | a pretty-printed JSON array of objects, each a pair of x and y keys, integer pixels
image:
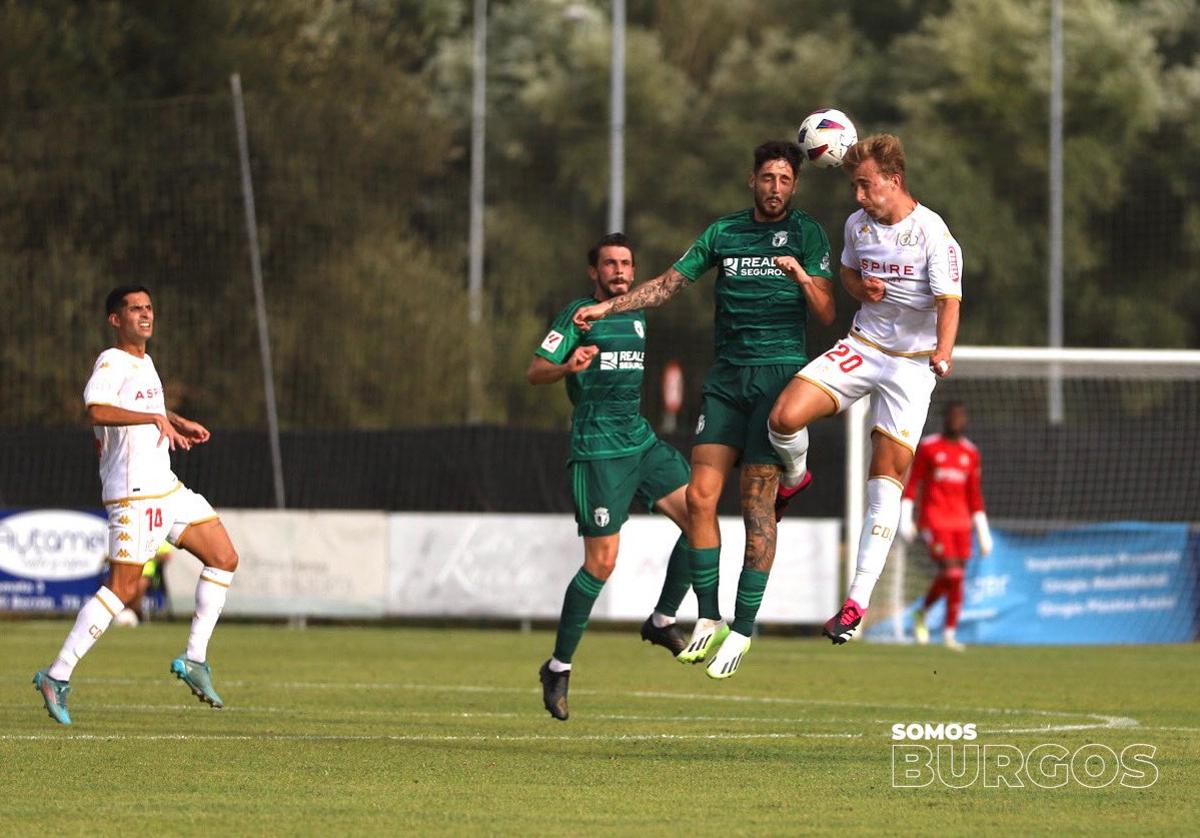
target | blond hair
[{"x": 885, "y": 149}]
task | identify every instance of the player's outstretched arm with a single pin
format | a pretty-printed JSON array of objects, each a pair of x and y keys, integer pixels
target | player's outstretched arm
[
  {"x": 542, "y": 371},
  {"x": 647, "y": 295},
  {"x": 107, "y": 415},
  {"x": 941, "y": 361},
  {"x": 193, "y": 432}
]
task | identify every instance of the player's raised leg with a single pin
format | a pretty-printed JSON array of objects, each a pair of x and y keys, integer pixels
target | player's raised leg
[
  {"x": 800, "y": 403},
  {"x": 209, "y": 542},
  {"x": 710, "y": 464},
  {"x": 660, "y": 627},
  {"x": 889, "y": 463}
]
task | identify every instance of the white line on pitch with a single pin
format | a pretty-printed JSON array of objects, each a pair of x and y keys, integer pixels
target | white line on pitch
[
  {"x": 1183, "y": 729},
  {"x": 417, "y": 737},
  {"x": 1100, "y": 721},
  {"x": 191, "y": 707}
]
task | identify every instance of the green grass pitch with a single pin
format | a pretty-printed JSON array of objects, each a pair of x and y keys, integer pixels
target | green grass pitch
[{"x": 336, "y": 730}]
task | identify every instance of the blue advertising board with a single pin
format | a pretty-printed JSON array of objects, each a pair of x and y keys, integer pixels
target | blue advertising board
[
  {"x": 51, "y": 559},
  {"x": 1123, "y": 582}
]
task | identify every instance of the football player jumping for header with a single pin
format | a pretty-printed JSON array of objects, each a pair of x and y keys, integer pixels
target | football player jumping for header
[{"x": 900, "y": 261}]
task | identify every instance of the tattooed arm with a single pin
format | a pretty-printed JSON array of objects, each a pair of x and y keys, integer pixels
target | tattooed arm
[{"x": 647, "y": 295}]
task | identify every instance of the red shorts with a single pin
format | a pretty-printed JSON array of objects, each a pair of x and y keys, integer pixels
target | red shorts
[{"x": 954, "y": 545}]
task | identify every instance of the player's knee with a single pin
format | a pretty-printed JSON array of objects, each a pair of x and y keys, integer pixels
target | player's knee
[
  {"x": 226, "y": 559},
  {"x": 125, "y": 590},
  {"x": 954, "y": 573},
  {"x": 784, "y": 419},
  {"x": 701, "y": 500},
  {"x": 600, "y": 566}
]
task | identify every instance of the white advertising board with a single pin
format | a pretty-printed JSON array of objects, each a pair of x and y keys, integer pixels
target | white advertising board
[
  {"x": 319, "y": 564},
  {"x": 450, "y": 564},
  {"x": 374, "y": 564}
]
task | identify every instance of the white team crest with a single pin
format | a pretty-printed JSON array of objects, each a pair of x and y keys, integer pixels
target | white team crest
[
  {"x": 825, "y": 262},
  {"x": 640, "y": 329},
  {"x": 552, "y": 340},
  {"x": 600, "y": 516},
  {"x": 700, "y": 424},
  {"x": 779, "y": 239}
]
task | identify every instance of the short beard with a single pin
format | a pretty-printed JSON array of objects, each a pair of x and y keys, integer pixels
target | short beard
[
  {"x": 761, "y": 210},
  {"x": 606, "y": 294}
]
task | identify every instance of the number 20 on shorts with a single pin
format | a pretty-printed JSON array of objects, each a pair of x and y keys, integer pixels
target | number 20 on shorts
[{"x": 844, "y": 358}]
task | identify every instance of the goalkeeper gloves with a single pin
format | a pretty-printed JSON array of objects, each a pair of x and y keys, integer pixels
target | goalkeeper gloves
[
  {"x": 908, "y": 527},
  {"x": 983, "y": 532}
]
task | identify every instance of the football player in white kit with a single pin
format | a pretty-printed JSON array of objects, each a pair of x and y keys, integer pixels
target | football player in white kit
[
  {"x": 900, "y": 261},
  {"x": 146, "y": 503}
]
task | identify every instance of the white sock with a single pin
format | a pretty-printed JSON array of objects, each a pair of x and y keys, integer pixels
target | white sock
[
  {"x": 661, "y": 620},
  {"x": 93, "y": 620},
  {"x": 211, "y": 589},
  {"x": 558, "y": 666},
  {"x": 878, "y": 532},
  {"x": 793, "y": 450}
]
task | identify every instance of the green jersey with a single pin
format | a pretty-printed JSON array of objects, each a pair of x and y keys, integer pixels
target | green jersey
[
  {"x": 607, "y": 395},
  {"x": 761, "y": 313}
]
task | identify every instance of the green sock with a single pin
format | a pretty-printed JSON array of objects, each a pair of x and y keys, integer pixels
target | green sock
[
  {"x": 751, "y": 585},
  {"x": 706, "y": 572},
  {"x": 679, "y": 579},
  {"x": 577, "y": 607}
]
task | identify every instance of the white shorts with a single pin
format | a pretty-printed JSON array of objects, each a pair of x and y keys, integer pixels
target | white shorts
[
  {"x": 900, "y": 386},
  {"x": 138, "y": 527}
]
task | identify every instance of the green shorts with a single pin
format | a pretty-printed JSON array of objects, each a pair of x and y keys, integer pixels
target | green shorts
[
  {"x": 735, "y": 405},
  {"x": 604, "y": 489}
]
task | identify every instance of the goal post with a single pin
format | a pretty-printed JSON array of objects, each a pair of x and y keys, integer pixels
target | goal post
[{"x": 1096, "y": 517}]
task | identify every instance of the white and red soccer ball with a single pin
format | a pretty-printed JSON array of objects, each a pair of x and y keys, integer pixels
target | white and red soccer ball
[{"x": 825, "y": 136}]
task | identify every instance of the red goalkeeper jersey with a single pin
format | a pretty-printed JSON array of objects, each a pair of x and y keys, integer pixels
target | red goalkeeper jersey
[{"x": 946, "y": 474}]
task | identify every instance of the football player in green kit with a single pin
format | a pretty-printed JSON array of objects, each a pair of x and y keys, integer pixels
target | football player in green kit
[
  {"x": 614, "y": 457},
  {"x": 773, "y": 273}
]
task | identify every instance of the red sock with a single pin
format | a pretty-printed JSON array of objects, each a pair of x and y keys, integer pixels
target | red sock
[
  {"x": 936, "y": 590},
  {"x": 954, "y": 595}
]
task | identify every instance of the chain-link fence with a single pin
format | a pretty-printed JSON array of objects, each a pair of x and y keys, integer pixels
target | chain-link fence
[
  {"x": 364, "y": 264},
  {"x": 363, "y": 227}
]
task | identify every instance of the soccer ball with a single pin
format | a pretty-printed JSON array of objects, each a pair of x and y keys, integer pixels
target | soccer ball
[{"x": 825, "y": 136}]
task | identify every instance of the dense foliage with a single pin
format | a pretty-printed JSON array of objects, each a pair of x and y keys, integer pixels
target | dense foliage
[{"x": 119, "y": 163}]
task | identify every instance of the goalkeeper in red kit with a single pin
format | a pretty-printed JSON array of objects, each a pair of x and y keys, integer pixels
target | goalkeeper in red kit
[{"x": 945, "y": 489}]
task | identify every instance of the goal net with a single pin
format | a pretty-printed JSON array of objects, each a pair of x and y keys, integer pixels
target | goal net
[{"x": 1091, "y": 482}]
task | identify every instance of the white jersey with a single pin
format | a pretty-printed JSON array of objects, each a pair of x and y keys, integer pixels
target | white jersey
[
  {"x": 919, "y": 261},
  {"x": 132, "y": 463}
]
